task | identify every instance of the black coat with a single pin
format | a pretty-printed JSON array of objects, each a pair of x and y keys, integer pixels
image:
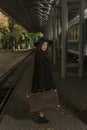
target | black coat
[{"x": 42, "y": 75}]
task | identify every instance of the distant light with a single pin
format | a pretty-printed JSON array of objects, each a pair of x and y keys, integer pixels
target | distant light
[
  {"x": 77, "y": 16},
  {"x": 57, "y": 2},
  {"x": 85, "y": 10},
  {"x": 51, "y": 1}
]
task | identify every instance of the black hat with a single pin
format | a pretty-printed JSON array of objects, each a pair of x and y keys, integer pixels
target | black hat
[{"x": 41, "y": 40}]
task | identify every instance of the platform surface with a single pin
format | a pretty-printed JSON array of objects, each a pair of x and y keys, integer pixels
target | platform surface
[
  {"x": 73, "y": 101},
  {"x": 9, "y": 59}
]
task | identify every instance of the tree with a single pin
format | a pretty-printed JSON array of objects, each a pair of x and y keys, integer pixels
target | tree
[
  {"x": 3, "y": 32},
  {"x": 17, "y": 36}
]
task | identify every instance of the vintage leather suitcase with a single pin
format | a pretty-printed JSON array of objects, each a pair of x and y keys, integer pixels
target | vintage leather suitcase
[{"x": 43, "y": 100}]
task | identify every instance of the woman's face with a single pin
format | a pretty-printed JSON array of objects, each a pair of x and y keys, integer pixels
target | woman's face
[{"x": 44, "y": 46}]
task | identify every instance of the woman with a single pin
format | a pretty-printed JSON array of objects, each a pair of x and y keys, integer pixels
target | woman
[{"x": 42, "y": 75}]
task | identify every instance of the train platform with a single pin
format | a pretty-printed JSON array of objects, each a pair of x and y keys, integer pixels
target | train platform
[
  {"x": 72, "y": 115},
  {"x": 8, "y": 59}
]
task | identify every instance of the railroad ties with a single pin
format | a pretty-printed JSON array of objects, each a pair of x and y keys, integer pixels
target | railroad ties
[{"x": 9, "y": 80}]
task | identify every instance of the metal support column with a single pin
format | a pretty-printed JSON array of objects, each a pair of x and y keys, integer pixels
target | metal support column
[
  {"x": 54, "y": 36},
  {"x": 50, "y": 27},
  {"x": 64, "y": 36},
  {"x": 58, "y": 37},
  {"x": 56, "y": 31},
  {"x": 81, "y": 38},
  {"x": 45, "y": 33},
  {"x": 51, "y": 34}
]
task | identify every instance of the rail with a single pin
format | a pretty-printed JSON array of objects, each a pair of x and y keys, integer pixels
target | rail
[{"x": 9, "y": 80}]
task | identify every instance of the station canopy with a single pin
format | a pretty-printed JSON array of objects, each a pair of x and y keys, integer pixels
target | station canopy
[{"x": 33, "y": 15}]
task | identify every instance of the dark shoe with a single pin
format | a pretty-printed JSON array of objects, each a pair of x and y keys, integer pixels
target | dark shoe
[
  {"x": 43, "y": 120},
  {"x": 38, "y": 119}
]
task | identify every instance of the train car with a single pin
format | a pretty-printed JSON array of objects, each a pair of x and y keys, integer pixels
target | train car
[{"x": 73, "y": 36}]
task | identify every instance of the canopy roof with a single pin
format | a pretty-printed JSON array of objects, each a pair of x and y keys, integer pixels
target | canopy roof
[{"x": 33, "y": 15}]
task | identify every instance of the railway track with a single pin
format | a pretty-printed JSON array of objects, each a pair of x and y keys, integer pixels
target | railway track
[{"x": 9, "y": 80}]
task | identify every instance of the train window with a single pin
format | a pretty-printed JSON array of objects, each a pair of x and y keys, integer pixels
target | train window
[
  {"x": 76, "y": 36},
  {"x": 69, "y": 34},
  {"x": 77, "y": 32},
  {"x": 76, "y": 28},
  {"x": 73, "y": 34}
]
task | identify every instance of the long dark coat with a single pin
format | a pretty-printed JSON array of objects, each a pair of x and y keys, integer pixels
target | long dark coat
[{"x": 42, "y": 75}]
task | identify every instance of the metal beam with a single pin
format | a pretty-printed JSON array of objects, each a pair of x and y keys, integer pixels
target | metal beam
[
  {"x": 42, "y": 2},
  {"x": 72, "y": 1},
  {"x": 25, "y": 12}
]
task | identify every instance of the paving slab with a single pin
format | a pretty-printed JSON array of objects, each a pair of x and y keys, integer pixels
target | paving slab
[{"x": 17, "y": 117}]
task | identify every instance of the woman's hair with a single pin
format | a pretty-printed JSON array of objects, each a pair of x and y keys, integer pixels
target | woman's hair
[{"x": 38, "y": 48}]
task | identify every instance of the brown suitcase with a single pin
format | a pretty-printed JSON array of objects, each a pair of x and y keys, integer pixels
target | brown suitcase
[{"x": 43, "y": 100}]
